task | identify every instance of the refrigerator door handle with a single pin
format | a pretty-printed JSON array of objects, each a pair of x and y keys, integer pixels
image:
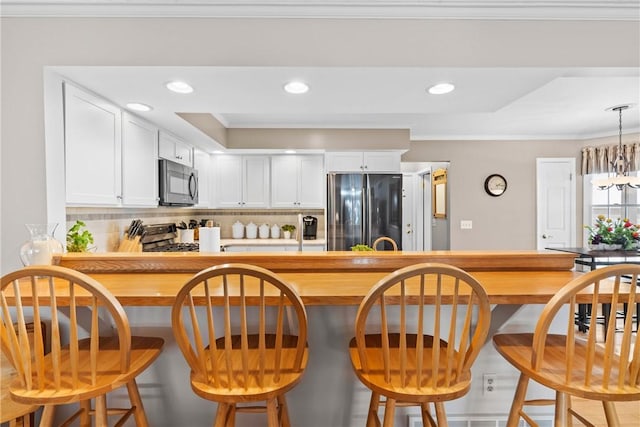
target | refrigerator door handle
[
  {"x": 331, "y": 243},
  {"x": 368, "y": 220}
]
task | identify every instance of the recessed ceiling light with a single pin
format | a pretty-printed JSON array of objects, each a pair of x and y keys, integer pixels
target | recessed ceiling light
[
  {"x": 179, "y": 87},
  {"x": 137, "y": 106},
  {"x": 441, "y": 88},
  {"x": 296, "y": 87}
]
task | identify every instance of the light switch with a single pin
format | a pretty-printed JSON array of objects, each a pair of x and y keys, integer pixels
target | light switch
[{"x": 466, "y": 224}]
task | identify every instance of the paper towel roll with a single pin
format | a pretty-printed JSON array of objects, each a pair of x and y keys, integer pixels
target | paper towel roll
[{"x": 209, "y": 239}]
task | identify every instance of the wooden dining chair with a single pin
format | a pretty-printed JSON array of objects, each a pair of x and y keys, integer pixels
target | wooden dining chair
[
  {"x": 383, "y": 239},
  {"x": 14, "y": 413},
  {"x": 82, "y": 364},
  {"x": 243, "y": 333},
  {"x": 573, "y": 363},
  {"x": 418, "y": 331}
]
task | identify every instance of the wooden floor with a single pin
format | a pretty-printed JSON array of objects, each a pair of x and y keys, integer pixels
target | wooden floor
[{"x": 628, "y": 412}]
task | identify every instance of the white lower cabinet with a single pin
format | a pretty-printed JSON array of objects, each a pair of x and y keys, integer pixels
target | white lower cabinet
[{"x": 273, "y": 248}]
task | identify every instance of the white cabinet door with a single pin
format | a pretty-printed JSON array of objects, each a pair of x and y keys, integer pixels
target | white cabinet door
[
  {"x": 363, "y": 161},
  {"x": 174, "y": 149},
  {"x": 202, "y": 163},
  {"x": 93, "y": 132},
  {"x": 256, "y": 182},
  {"x": 139, "y": 162},
  {"x": 344, "y": 161},
  {"x": 311, "y": 182},
  {"x": 228, "y": 181},
  {"x": 297, "y": 181},
  {"x": 381, "y": 161},
  {"x": 284, "y": 181},
  {"x": 241, "y": 181}
]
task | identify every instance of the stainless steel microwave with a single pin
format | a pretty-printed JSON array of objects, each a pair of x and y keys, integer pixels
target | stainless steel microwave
[{"x": 178, "y": 184}]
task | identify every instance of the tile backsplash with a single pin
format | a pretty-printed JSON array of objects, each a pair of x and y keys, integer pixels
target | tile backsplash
[{"x": 108, "y": 225}]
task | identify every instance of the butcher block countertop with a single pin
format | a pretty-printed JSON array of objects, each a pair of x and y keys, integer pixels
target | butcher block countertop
[
  {"x": 315, "y": 262},
  {"x": 329, "y": 278}
]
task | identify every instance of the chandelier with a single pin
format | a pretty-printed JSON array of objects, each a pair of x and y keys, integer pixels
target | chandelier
[{"x": 620, "y": 164}]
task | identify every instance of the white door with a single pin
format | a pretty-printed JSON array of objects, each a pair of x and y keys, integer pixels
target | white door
[{"x": 556, "y": 202}]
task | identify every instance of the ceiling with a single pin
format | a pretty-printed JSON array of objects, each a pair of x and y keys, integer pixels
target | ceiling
[{"x": 488, "y": 103}]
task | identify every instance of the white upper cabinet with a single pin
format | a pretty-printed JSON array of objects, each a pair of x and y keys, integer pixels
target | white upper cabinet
[
  {"x": 241, "y": 181},
  {"x": 139, "y": 162},
  {"x": 297, "y": 181},
  {"x": 93, "y": 132},
  {"x": 363, "y": 161},
  {"x": 175, "y": 149},
  {"x": 202, "y": 163}
]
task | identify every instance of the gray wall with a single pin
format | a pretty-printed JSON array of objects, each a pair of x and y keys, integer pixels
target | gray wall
[
  {"x": 29, "y": 44},
  {"x": 505, "y": 222}
]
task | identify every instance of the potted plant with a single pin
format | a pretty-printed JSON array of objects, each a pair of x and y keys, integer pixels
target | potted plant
[
  {"x": 287, "y": 229},
  {"x": 361, "y": 248},
  {"x": 610, "y": 235},
  {"x": 78, "y": 240}
]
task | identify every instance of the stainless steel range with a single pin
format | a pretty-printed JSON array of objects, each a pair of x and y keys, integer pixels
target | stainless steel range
[{"x": 161, "y": 238}]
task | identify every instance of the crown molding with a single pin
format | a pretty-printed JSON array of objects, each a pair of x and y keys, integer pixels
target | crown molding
[{"x": 628, "y": 10}]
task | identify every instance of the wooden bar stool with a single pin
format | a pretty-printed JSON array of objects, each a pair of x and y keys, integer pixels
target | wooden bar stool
[
  {"x": 82, "y": 365},
  {"x": 239, "y": 350},
  {"x": 383, "y": 239},
  {"x": 14, "y": 413},
  {"x": 576, "y": 365},
  {"x": 418, "y": 332}
]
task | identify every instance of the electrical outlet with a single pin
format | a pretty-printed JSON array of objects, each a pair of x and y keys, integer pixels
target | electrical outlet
[
  {"x": 466, "y": 224},
  {"x": 489, "y": 383}
]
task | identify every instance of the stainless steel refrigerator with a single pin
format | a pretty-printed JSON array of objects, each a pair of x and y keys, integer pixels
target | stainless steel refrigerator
[{"x": 363, "y": 207}]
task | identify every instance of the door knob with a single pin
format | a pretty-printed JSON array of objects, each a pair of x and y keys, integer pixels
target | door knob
[{"x": 545, "y": 236}]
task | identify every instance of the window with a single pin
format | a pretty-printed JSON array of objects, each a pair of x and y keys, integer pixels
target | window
[{"x": 612, "y": 203}]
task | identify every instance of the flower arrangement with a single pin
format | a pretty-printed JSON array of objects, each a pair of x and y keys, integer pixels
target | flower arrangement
[{"x": 620, "y": 232}]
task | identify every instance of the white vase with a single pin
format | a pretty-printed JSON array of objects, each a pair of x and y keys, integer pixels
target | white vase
[{"x": 286, "y": 234}]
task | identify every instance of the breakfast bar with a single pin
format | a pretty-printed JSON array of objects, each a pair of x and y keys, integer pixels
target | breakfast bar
[{"x": 331, "y": 285}]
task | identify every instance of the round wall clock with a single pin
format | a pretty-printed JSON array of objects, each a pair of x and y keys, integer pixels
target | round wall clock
[{"x": 495, "y": 185}]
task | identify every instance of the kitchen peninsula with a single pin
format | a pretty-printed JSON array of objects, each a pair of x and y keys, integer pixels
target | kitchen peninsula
[
  {"x": 326, "y": 278},
  {"x": 331, "y": 284}
]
